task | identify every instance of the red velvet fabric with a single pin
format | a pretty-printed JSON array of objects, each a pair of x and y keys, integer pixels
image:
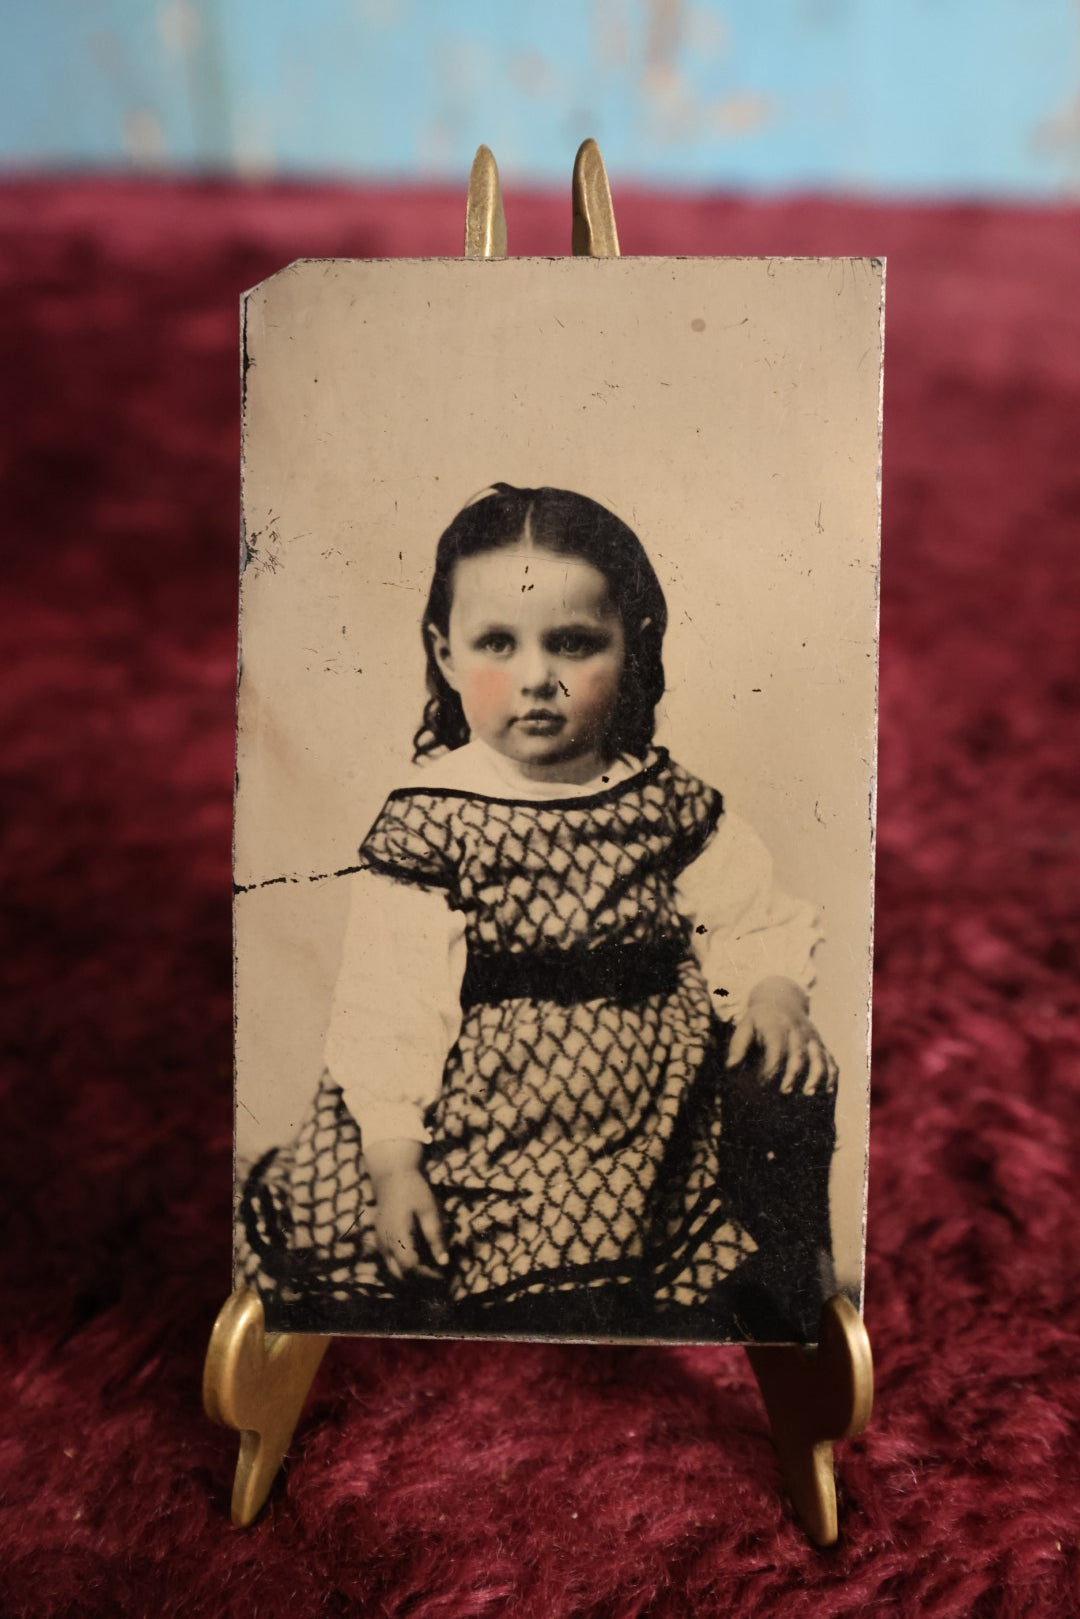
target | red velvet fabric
[{"x": 438, "y": 1480}]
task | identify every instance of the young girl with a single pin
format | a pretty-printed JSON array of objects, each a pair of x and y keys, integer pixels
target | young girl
[{"x": 571, "y": 1082}]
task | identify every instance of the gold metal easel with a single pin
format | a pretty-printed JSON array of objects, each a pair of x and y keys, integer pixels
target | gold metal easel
[{"x": 257, "y": 1382}]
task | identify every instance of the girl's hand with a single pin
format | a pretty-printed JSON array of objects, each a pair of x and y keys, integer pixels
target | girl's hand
[
  {"x": 777, "y": 1023},
  {"x": 406, "y": 1211},
  {"x": 406, "y": 1205}
]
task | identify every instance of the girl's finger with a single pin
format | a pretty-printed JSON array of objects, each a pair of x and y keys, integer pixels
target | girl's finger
[
  {"x": 740, "y": 1042},
  {"x": 405, "y": 1251},
  {"x": 431, "y": 1226},
  {"x": 411, "y": 1262},
  {"x": 775, "y": 1042},
  {"x": 795, "y": 1063},
  {"x": 832, "y": 1073},
  {"x": 815, "y": 1073}
]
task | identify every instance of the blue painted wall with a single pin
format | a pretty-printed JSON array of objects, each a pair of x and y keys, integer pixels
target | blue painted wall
[{"x": 919, "y": 96}]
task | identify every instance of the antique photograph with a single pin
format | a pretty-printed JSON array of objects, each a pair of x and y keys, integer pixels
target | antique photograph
[{"x": 554, "y": 795}]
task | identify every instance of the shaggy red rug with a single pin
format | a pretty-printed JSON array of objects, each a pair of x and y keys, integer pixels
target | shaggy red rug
[{"x": 438, "y": 1480}]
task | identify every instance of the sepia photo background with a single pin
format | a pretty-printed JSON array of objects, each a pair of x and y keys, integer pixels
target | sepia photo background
[{"x": 727, "y": 409}]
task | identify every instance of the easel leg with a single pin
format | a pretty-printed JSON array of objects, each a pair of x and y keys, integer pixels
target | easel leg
[
  {"x": 814, "y": 1397},
  {"x": 257, "y": 1382}
]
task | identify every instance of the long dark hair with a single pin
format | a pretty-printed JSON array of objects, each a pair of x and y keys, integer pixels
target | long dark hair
[{"x": 570, "y": 525}]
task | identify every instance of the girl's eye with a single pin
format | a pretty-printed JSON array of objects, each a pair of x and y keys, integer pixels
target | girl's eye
[
  {"x": 577, "y": 643},
  {"x": 498, "y": 643}
]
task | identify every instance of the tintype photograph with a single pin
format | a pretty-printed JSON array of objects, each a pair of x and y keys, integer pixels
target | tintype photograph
[{"x": 554, "y": 804}]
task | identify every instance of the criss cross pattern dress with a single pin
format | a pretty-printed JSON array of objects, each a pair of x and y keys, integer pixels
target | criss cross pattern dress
[{"x": 573, "y": 1132}]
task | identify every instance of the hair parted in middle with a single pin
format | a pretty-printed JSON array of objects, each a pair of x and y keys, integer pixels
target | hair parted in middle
[{"x": 568, "y": 524}]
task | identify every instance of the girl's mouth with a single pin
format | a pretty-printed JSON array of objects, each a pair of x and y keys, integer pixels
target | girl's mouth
[{"x": 540, "y": 722}]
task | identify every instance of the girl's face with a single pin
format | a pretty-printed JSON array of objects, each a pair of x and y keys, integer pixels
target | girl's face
[{"x": 535, "y": 650}]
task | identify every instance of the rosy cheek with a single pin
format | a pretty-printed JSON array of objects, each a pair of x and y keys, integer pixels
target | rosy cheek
[
  {"x": 486, "y": 695},
  {"x": 595, "y": 691}
]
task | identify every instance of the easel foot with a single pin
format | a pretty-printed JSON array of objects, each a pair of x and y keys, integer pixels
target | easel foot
[
  {"x": 813, "y": 1398},
  {"x": 257, "y": 1382}
]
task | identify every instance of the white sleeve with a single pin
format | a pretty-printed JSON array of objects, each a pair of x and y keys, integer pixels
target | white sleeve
[
  {"x": 745, "y": 927},
  {"x": 396, "y": 1010}
]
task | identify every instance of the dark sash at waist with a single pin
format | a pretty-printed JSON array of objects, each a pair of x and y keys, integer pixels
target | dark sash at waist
[{"x": 623, "y": 973}]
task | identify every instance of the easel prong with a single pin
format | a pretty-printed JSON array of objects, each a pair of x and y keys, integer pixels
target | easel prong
[
  {"x": 594, "y": 235},
  {"x": 257, "y": 1382},
  {"x": 485, "y": 219},
  {"x": 813, "y": 1398}
]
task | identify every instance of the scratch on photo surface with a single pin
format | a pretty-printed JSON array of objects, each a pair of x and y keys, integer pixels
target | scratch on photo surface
[
  {"x": 262, "y": 559},
  {"x": 311, "y": 877}
]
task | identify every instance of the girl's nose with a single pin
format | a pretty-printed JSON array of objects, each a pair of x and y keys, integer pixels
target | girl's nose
[{"x": 537, "y": 674}]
